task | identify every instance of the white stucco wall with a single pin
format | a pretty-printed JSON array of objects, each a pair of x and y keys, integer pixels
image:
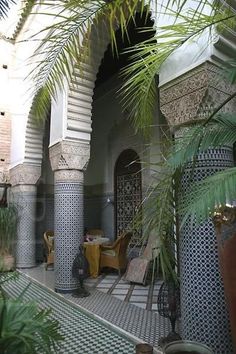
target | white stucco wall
[
  {"x": 192, "y": 53},
  {"x": 21, "y": 87},
  {"x": 58, "y": 117}
]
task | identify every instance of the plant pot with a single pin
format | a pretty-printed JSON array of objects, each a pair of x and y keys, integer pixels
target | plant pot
[
  {"x": 186, "y": 347},
  {"x": 225, "y": 225},
  {"x": 144, "y": 348},
  {"x": 8, "y": 263}
]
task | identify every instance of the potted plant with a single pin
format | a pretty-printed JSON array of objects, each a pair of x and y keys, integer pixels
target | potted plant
[
  {"x": 8, "y": 221},
  {"x": 25, "y": 328},
  {"x": 186, "y": 347}
]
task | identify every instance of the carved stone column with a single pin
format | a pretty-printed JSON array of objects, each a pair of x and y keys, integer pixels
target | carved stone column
[
  {"x": 23, "y": 179},
  {"x": 68, "y": 160},
  {"x": 194, "y": 96}
]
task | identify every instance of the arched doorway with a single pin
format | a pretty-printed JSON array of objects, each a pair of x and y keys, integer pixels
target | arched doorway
[{"x": 128, "y": 191}]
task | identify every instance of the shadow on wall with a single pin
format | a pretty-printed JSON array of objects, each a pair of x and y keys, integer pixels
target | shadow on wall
[{"x": 99, "y": 213}]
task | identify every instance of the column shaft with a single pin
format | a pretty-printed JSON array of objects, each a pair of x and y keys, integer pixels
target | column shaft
[
  {"x": 69, "y": 227},
  {"x": 24, "y": 198},
  {"x": 203, "y": 309}
]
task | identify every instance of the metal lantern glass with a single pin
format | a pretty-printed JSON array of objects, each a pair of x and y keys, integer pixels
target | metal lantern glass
[
  {"x": 80, "y": 272},
  {"x": 168, "y": 305}
]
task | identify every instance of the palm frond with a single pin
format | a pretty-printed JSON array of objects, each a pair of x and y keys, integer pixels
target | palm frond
[
  {"x": 66, "y": 43},
  {"x": 4, "y": 7},
  {"x": 26, "y": 329},
  {"x": 230, "y": 70},
  {"x": 219, "y": 131},
  {"x": 157, "y": 214},
  {"x": 147, "y": 58},
  {"x": 204, "y": 197},
  {"x": 62, "y": 47}
]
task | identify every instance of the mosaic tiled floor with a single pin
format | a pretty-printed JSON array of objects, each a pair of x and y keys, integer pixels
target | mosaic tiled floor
[
  {"x": 82, "y": 333},
  {"x": 109, "y": 283},
  {"x": 146, "y": 325},
  {"x": 139, "y": 295}
]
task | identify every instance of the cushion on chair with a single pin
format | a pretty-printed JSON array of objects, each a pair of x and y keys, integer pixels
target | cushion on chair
[
  {"x": 111, "y": 253},
  {"x": 137, "y": 270},
  {"x": 51, "y": 240}
]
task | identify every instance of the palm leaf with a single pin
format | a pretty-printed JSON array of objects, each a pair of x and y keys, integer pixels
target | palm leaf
[
  {"x": 4, "y": 7},
  {"x": 219, "y": 131},
  {"x": 138, "y": 92},
  {"x": 62, "y": 49},
  {"x": 157, "y": 214},
  {"x": 204, "y": 197},
  {"x": 25, "y": 329},
  {"x": 230, "y": 70}
]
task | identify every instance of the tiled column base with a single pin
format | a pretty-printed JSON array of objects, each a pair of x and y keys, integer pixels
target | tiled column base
[
  {"x": 24, "y": 198},
  {"x": 69, "y": 228}
]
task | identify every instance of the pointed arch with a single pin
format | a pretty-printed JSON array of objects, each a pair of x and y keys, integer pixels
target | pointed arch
[{"x": 79, "y": 95}]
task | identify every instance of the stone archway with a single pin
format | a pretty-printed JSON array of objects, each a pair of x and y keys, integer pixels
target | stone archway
[{"x": 69, "y": 155}]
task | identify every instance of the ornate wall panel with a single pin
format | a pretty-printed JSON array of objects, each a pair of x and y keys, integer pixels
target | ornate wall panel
[
  {"x": 128, "y": 199},
  {"x": 195, "y": 94}
]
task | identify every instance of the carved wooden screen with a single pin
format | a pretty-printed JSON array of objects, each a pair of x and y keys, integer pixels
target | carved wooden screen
[{"x": 128, "y": 192}]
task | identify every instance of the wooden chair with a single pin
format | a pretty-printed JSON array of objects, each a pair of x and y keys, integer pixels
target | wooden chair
[
  {"x": 49, "y": 242},
  {"x": 138, "y": 267},
  {"x": 114, "y": 256}
]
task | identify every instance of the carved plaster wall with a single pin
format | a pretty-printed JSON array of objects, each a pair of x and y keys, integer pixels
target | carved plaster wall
[
  {"x": 69, "y": 155},
  {"x": 195, "y": 95},
  {"x": 24, "y": 174}
]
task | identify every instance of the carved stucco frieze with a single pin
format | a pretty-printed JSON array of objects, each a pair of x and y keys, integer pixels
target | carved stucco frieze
[
  {"x": 195, "y": 95},
  {"x": 68, "y": 155},
  {"x": 69, "y": 176},
  {"x": 25, "y": 174}
]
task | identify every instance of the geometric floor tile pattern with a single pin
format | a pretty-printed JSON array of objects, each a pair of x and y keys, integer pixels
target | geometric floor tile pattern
[
  {"x": 139, "y": 295},
  {"x": 82, "y": 333},
  {"x": 121, "y": 310}
]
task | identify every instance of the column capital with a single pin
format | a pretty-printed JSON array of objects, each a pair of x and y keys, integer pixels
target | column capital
[
  {"x": 69, "y": 176},
  {"x": 69, "y": 155},
  {"x": 195, "y": 95},
  {"x": 24, "y": 174}
]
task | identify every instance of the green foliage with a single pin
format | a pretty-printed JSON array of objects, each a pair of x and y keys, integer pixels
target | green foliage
[
  {"x": 139, "y": 89},
  {"x": 66, "y": 44},
  {"x": 25, "y": 329},
  {"x": 220, "y": 130},
  {"x": 157, "y": 212},
  {"x": 4, "y": 7},
  {"x": 160, "y": 216},
  {"x": 217, "y": 131},
  {"x": 204, "y": 197},
  {"x": 8, "y": 223},
  {"x": 5, "y": 277}
]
